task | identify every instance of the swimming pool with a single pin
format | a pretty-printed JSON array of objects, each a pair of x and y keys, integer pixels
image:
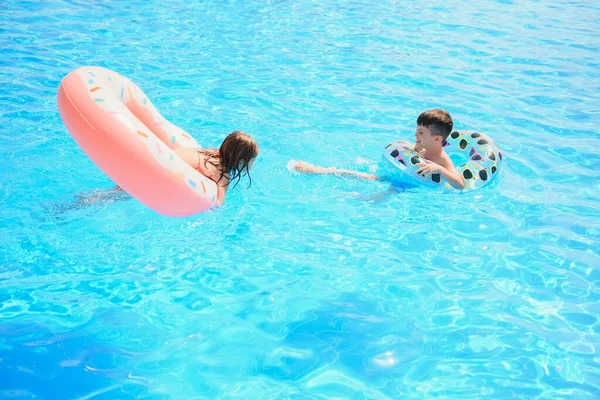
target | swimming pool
[{"x": 297, "y": 288}]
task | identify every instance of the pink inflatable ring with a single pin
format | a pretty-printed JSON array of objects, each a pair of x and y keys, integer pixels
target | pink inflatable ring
[{"x": 119, "y": 129}]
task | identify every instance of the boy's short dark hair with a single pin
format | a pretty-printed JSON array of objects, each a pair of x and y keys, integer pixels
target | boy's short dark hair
[{"x": 438, "y": 121}]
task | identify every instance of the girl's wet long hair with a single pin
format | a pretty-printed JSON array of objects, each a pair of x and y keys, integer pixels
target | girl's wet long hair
[{"x": 235, "y": 154}]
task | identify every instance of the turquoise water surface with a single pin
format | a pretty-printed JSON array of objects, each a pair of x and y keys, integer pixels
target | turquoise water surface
[{"x": 298, "y": 287}]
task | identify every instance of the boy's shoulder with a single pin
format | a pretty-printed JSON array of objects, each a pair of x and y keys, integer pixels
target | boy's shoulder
[{"x": 446, "y": 161}]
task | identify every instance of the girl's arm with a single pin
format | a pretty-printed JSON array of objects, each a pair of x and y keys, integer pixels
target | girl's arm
[
  {"x": 222, "y": 186},
  {"x": 190, "y": 155},
  {"x": 304, "y": 167}
]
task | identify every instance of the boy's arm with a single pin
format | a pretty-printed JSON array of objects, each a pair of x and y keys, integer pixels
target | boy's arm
[
  {"x": 454, "y": 178},
  {"x": 450, "y": 175}
]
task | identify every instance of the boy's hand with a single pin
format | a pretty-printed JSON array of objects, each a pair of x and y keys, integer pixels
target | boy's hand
[
  {"x": 452, "y": 176},
  {"x": 410, "y": 146},
  {"x": 406, "y": 144},
  {"x": 429, "y": 167}
]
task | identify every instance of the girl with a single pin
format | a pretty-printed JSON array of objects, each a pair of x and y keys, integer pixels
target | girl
[{"x": 231, "y": 161}]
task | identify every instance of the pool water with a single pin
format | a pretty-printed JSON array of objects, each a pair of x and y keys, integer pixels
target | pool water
[{"x": 299, "y": 287}]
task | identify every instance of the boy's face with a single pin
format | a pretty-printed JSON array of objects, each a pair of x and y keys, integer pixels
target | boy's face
[{"x": 425, "y": 139}]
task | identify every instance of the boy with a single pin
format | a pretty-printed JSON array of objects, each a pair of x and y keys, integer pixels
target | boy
[{"x": 433, "y": 127}]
